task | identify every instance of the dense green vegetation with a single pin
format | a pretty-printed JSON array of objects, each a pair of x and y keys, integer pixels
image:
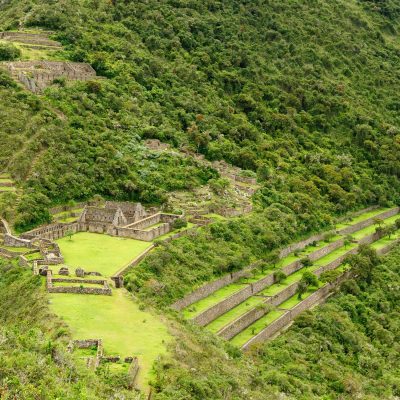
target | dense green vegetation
[
  {"x": 302, "y": 93},
  {"x": 346, "y": 348},
  {"x": 309, "y": 103}
]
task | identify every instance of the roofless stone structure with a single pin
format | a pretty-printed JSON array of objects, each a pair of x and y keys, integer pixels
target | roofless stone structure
[{"x": 37, "y": 75}]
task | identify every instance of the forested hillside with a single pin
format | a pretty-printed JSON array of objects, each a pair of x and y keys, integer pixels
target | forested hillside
[{"x": 301, "y": 94}]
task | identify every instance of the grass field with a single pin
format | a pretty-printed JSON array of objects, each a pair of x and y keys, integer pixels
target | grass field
[
  {"x": 244, "y": 336},
  {"x": 102, "y": 253},
  {"x": 371, "y": 229},
  {"x": 234, "y": 313},
  {"x": 117, "y": 320},
  {"x": 362, "y": 217}
]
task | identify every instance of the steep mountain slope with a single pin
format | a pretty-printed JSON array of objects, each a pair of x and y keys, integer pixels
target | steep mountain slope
[{"x": 302, "y": 93}]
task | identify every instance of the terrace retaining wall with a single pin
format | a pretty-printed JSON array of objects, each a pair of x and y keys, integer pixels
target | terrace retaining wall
[
  {"x": 368, "y": 222},
  {"x": 225, "y": 305},
  {"x": 208, "y": 288},
  {"x": 288, "y": 317},
  {"x": 245, "y": 320}
]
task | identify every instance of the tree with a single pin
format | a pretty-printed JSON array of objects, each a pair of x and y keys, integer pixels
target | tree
[
  {"x": 306, "y": 262},
  {"x": 9, "y": 52},
  {"x": 391, "y": 230},
  {"x": 378, "y": 221},
  {"x": 279, "y": 276},
  {"x": 273, "y": 257},
  {"x": 347, "y": 241},
  {"x": 308, "y": 279}
]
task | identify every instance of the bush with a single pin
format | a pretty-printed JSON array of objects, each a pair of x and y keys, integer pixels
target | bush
[
  {"x": 179, "y": 223},
  {"x": 9, "y": 52}
]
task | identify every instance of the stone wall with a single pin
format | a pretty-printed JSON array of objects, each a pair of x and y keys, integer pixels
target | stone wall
[
  {"x": 13, "y": 241},
  {"x": 37, "y": 39},
  {"x": 63, "y": 208},
  {"x": 78, "y": 290},
  {"x": 225, "y": 305},
  {"x": 384, "y": 250},
  {"x": 132, "y": 373},
  {"x": 301, "y": 245},
  {"x": 37, "y": 75},
  {"x": 51, "y": 231},
  {"x": 105, "y": 290},
  {"x": 134, "y": 262},
  {"x": 208, "y": 288},
  {"x": 288, "y": 316},
  {"x": 245, "y": 320},
  {"x": 211, "y": 287},
  {"x": 363, "y": 224},
  {"x": 335, "y": 263},
  {"x": 357, "y": 213}
]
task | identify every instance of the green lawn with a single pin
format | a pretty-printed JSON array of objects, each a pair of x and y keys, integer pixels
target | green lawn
[
  {"x": 214, "y": 298},
  {"x": 234, "y": 313},
  {"x": 7, "y": 188},
  {"x": 244, "y": 336},
  {"x": 117, "y": 320},
  {"x": 385, "y": 241},
  {"x": 102, "y": 253},
  {"x": 5, "y": 180},
  {"x": 371, "y": 229},
  {"x": 294, "y": 300},
  {"x": 362, "y": 217}
]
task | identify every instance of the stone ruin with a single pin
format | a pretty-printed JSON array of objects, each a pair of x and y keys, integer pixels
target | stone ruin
[
  {"x": 156, "y": 145},
  {"x": 94, "y": 361},
  {"x": 125, "y": 219},
  {"x": 37, "y": 75},
  {"x": 31, "y": 40}
]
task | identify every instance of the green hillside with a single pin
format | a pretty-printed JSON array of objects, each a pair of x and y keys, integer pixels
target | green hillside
[{"x": 301, "y": 95}]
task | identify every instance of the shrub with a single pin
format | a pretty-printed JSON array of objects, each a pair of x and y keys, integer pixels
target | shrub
[{"x": 9, "y": 52}]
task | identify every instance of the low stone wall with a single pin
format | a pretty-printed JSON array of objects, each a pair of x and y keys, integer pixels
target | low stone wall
[
  {"x": 13, "y": 241},
  {"x": 363, "y": 224},
  {"x": 9, "y": 254},
  {"x": 371, "y": 238},
  {"x": 301, "y": 245},
  {"x": 211, "y": 287},
  {"x": 245, "y": 320},
  {"x": 335, "y": 263},
  {"x": 78, "y": 290},
  {"x": 134, "y": 262},
  {"x": 223, "y": 306},
  {"x": 105, "y": 290},
  {"x": 357, "y": 213},
  {"x": 77, "y": 280},
  {"x": 132, "y": 373},
  {"x": 316, "y": 255},
  {"x": 4, "y": 228},
  {"x": 145, "y": 222},
  {"x": 384, "y": 250},
  {"x": 63, "y": 208},
  {"x": 23, "y": 261}
]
